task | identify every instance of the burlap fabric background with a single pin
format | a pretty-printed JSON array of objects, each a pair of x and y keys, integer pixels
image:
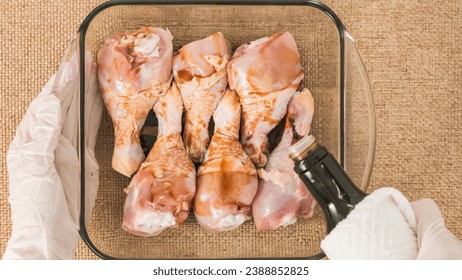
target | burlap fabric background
[{"x": 412, "y": 51}]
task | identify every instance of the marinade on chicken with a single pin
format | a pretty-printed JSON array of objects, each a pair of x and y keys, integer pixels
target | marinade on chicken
[
  {"x": 282, "y": 197},
  {"x": 227, "y": 179},
  {"x": 133, "y": 69},
  {"x": 265, "y": 74},
  {"x": 199, "y": 70},
  {"x": 160, "y": 194}
]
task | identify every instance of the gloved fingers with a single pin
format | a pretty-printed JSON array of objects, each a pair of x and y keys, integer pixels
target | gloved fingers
[
  {"x": 67, "y": 166},
  {"x": 427, "y": 213},
  {"x": 91, "y": 183},
  {"x": 67, "y": 90},
  {"x": 69, "y": 93},
  {"x": 67, "y": 77},
  {"x": 93, "y": 105},
  {"x": 67, "y": 162},
  {"x": 93, "y": 113},
  {"x": 434, "y": 239}
]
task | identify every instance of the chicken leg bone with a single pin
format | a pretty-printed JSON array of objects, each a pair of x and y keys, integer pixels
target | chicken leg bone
[
  {"x": 265, "y": 75},
  {"x": 133, "y": 69},
  {"x": 200, "y": 72},
  {"x": 160, "y": 194},
  {"x": 282, "y": 197},
  {"x": 227, "y": 179}
]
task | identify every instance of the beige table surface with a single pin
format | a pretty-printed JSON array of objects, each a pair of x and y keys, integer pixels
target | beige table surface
[{"x": 412, "y": 50}]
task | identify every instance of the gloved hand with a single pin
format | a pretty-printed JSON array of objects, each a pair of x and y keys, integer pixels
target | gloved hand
[
  {"x": 44, "y": 169},
  {"x": 434, "y": 239}
]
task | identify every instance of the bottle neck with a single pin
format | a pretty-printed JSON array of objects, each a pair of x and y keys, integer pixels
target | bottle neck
[{"x": 334, "y": 191}]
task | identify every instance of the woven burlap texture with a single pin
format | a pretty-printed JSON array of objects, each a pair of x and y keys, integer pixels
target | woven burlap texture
[{"x": 412, "y": 51}]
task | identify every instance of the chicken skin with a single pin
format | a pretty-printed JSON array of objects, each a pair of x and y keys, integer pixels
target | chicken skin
[
  {"x": 282, "y": 197},
  {"x": 160, "y": 194},
  {"x": 265, "y": 75},
  {"x": 227, "y": 179},
  {"x": 199, "y": 69},
  {"x": 133, "y": 69}
]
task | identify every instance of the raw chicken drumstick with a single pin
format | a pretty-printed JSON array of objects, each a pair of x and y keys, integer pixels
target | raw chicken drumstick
[
  {"x": 227, "y": 179},
  {"x": 265, "y": 75},
  {"x": 282, "y": 196},
  {"x": 199, "y": 70},
  {"x": 160, "y": 194},
  {"x": 133, "y": 68}
]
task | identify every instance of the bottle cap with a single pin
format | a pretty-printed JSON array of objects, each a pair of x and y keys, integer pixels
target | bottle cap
[{"x": 300, "y": 149}]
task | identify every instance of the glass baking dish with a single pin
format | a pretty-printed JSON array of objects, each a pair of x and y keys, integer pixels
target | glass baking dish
[{"x": 344, "y": 120}]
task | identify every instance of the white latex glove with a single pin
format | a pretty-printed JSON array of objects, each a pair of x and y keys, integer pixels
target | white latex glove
[
  {"x": 44, "y": 170},
  {"x": 434, "y": 239}
]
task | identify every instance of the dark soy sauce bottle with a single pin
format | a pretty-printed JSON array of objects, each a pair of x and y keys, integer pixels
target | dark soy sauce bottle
[{"x": 325, "y": 179}]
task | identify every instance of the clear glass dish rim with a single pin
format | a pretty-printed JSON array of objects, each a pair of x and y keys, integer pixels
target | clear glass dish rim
[{"x": 343, "y": 35}]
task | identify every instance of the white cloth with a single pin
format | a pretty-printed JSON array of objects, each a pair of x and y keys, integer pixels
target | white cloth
[
  {"x": 382, "y": 226},
  {"x": 43, "y": 166}
]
